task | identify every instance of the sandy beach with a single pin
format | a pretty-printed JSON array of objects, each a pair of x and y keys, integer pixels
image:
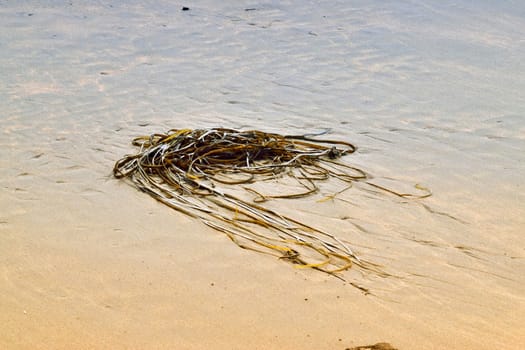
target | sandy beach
[{"x": 430, "y": 92}]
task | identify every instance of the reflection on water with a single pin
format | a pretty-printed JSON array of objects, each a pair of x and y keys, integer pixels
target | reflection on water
[{"x": 431, "y": 93}]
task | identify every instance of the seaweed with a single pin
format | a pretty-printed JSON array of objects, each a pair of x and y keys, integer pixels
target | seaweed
[{"x": 194, "y": 172}]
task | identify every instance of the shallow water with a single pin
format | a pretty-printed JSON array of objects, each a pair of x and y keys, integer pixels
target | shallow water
[{"x": 430, "y": 92}]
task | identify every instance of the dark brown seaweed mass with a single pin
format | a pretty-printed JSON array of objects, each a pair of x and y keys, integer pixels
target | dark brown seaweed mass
[{"x": 194, "y": 171}]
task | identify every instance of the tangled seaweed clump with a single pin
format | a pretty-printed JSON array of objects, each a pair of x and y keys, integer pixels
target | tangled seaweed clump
[{"x": 200, "y": 173}]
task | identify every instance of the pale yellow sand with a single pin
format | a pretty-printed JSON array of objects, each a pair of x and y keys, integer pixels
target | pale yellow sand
[{"x": 430, "y": 94}]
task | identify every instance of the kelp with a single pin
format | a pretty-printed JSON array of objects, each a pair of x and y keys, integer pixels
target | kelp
[{"x": 207, "y": 173}]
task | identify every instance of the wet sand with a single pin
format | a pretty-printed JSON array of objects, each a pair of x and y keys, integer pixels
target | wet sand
[{"x": 430, "y": 94}]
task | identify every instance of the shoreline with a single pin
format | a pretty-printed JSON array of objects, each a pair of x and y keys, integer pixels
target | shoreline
[{"x": 428, "y": 93}]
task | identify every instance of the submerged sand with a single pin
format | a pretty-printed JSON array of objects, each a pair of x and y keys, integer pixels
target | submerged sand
[{"x": 430, "y": 93}]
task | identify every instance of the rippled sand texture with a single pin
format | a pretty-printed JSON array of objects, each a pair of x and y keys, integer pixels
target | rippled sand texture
[{"x": 431, "y": 92}]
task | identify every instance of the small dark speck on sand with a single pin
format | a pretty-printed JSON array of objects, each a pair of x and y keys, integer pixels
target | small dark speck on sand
[
  {"x": 185, "y": 8},
  {"x": 378, "y": 346}
]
